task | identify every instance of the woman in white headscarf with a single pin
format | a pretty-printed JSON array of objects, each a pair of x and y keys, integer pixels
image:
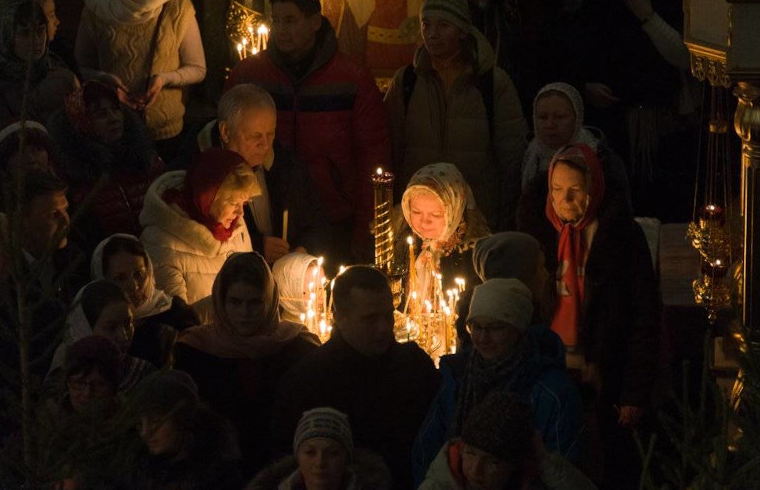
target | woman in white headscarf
[
  {"x": 158, "y": 317},
  {"x": 293, "y": 273},
  {"x": 558, "y": 121},
  {"x": 440, "y": 209}
]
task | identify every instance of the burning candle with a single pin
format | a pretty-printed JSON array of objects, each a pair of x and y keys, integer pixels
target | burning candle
[
  {"x": 240, "y": 51},
  {"x": 245, "y": 47},
  {"x": 285, "y": 225},
  {"x": 263, "y": 32}
]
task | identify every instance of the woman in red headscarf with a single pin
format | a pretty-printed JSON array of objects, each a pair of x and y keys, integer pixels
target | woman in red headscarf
[
  {"x": 97, "y": 139},
  {"x": 193, "y": 222},
  {"x": 606, "y": 306}
]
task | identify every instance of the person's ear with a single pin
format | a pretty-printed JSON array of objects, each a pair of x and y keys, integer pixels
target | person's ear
[{"x": 224, "y": 132}]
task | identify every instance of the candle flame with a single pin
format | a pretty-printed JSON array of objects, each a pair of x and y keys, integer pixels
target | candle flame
[
  {"x": 255, "y": 51},
  {"x": 262, "y": 29},
  {"x": 250, "y": 29},
  {"x": 239, "y": 47},
  {"x": 410, "y": 240},
  {"x": 379, "y": 171},
  {"x": 320, "y": 261},
  {"x": 245, "y": 42}
]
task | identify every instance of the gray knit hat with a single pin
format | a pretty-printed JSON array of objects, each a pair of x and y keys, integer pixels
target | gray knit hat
[
  {"x": 164, "y": 391},
  {"x": 327, "y": 423},
  {"x": 455, "y": 11},
  {"x": 506, "y": 300},
  {"x": 507, "y": 254},
  {"x": 501, "y": 426}
]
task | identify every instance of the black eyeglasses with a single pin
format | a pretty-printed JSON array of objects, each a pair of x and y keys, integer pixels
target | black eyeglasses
[{"x": 493, "y": 329}]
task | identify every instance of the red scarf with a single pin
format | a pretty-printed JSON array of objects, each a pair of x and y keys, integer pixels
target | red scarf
[
  {"x": 571, "y": 252},
  {"x": 202, "y": 182}
]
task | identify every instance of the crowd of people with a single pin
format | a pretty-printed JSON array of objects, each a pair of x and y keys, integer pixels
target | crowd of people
[{"x": 165, "y": 308}]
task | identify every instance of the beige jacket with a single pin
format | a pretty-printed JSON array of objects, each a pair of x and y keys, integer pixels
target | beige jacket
[
  {"x": 186, "y": 256},
  {"x": 455, "y": 129}
]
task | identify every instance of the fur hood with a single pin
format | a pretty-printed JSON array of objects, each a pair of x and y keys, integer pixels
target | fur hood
[
  {"x": 367, "y": 471},
  {"x": 159, "y": 218},
  {"x": 82, "y": 158}
]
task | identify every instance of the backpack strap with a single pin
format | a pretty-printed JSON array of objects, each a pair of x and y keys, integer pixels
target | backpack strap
[{"x": 408, "y": 81}]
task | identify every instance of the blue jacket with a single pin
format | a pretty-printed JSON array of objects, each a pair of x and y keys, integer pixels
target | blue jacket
[{"x": 556, "y": 404}]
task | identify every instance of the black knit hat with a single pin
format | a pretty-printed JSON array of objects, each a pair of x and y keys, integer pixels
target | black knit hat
[{"x": 501, "y": 426}]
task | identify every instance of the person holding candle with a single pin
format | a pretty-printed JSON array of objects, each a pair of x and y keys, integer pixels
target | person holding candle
[
  {"x": 238, "y": 359},
  {"x": 330, "y": 114},
  {"x": 245, "y": 123},
  {"x": 193, "y": 221},
  {"x": 509, "y": 354},
  {"x": 439, "y": 207},
  {"x": 454, "y": 104},
  {"x": 606, "y": 308}
]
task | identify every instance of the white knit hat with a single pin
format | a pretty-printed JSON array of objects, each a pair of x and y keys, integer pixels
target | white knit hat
[
  {"x": 506, "y": 300},
  {"x": 327, "y": 423}
]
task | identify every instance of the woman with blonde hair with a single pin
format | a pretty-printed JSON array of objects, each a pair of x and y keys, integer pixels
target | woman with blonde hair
[{"x": 194, "y": 220}]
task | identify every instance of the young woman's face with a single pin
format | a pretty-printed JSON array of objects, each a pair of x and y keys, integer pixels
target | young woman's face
[
  {"x": 483, "y": 471},
  {"x": 160, "y": 434},
  {"x": 226, "y": 208},
  {"x": 30, "y": 42},
  {"x": 569, "y": 192},
  {"x": 115, "y": 323},
  {"x": 130, "y": 272},
  {"x": 442, "y": 38},
  {"x": 244, "y": 305},
  {"x": 322, "y": 463},
  {"x": 84, "y": 388},
  {"x": 555, "y": 120},
  {"x": 107, "y": 120},
  {"x": 427, "y": 215}
]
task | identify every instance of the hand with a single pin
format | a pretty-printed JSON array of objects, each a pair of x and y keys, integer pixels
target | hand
[
  {"x": 642, "y": 9},
  {"x": 301, "y": 250},
  {"x": 629, "y": 416},
  {"x": 539, "y": 449},
  {"x": 274, "y": 248},
  {"x": 121, "y": 90},
  {"x": 154, "y": 88},
  {"x": 600, "y": 95},
  {"x": 590, "y": 375}
]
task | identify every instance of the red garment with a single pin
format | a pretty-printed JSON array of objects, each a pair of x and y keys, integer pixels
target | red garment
[
  {"x": 335, "y": 121},
  {"x": 571, "y": 252},
  {"x": 202, "y": 182}
]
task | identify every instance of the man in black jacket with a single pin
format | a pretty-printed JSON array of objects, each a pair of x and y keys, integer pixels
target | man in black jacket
[{"x": 383, "y": 386}]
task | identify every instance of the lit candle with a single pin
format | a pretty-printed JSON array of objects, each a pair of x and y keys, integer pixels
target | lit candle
[
  {"x": 285, "y": 225},
  {"x": 263, "y": 32},
  {"x": 240, "y": 51},
  {"x": 245, "y": 47}
]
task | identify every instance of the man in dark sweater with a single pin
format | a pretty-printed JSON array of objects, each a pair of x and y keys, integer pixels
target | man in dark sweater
[{"x": 383, "y": 386}]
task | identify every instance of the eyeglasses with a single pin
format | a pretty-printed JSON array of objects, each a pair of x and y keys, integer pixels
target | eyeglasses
[{"x": 493, "y": 329}]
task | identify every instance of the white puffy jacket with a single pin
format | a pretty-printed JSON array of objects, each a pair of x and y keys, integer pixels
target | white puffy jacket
[{"x": 186, "y": 256}]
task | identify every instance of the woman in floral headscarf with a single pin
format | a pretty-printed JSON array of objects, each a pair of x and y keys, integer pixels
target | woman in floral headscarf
[
  {"x": 24, "y": 41},
  {"x": 606, "y": 307},
  {"x": 97, "y": 138},
  {"x": 440, "y": 209},
  {"x": 238, "y": 359}
]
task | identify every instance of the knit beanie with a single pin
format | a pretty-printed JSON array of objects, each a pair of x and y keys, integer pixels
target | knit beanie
[
  {"x": 455, "y": 11},
  {"x": 507, "y": 254},
  {"x": 506, "y": 300},
  {"x": 327, "y": 423},
  {"x": 164, "y": 391},
  {"x": 501, "y": 426},
  {"x": 99, "y": 350}
]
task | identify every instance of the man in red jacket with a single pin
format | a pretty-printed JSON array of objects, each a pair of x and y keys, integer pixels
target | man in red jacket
[{"x": 329, "y": 111}]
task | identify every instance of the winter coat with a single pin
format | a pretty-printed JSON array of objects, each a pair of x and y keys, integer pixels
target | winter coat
[
  {"x": 243, "y": 391},
  {"x": 186, "y": 256},
  {"x": 130, "y": 166},
  {"x": 620, "y": 313},
  {"x": 455, "y": 129},
  {"x": 366, "y": 471},
  {"x": 212, "y": 462},
  {"x": 556, "y": 408},
  {"x": 334, "y": 120},
  {"x": 289, "y": 187},
  {"x": 385, "y": 398},
  {"x": 154, "y": 335},
  {"x": 554, "y": 473}
]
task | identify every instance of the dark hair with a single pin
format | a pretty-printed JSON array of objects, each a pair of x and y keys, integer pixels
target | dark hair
[
  {"x": 29, "y": 13},
  {"x": 40, "y": 183},
  {"x": 122, "y": 244},
  {"x": 93, "y": 352},
  {"x": 307, "y": 7},
  {"x": 229, "y": 275},
  {"x": 99, "y": 294},
  {"x": 360, "y": 277},
  {"x": 86, "y": 365}
]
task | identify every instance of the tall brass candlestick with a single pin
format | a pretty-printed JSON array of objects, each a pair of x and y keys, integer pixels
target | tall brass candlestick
[{"x": 382, "y": 185}]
